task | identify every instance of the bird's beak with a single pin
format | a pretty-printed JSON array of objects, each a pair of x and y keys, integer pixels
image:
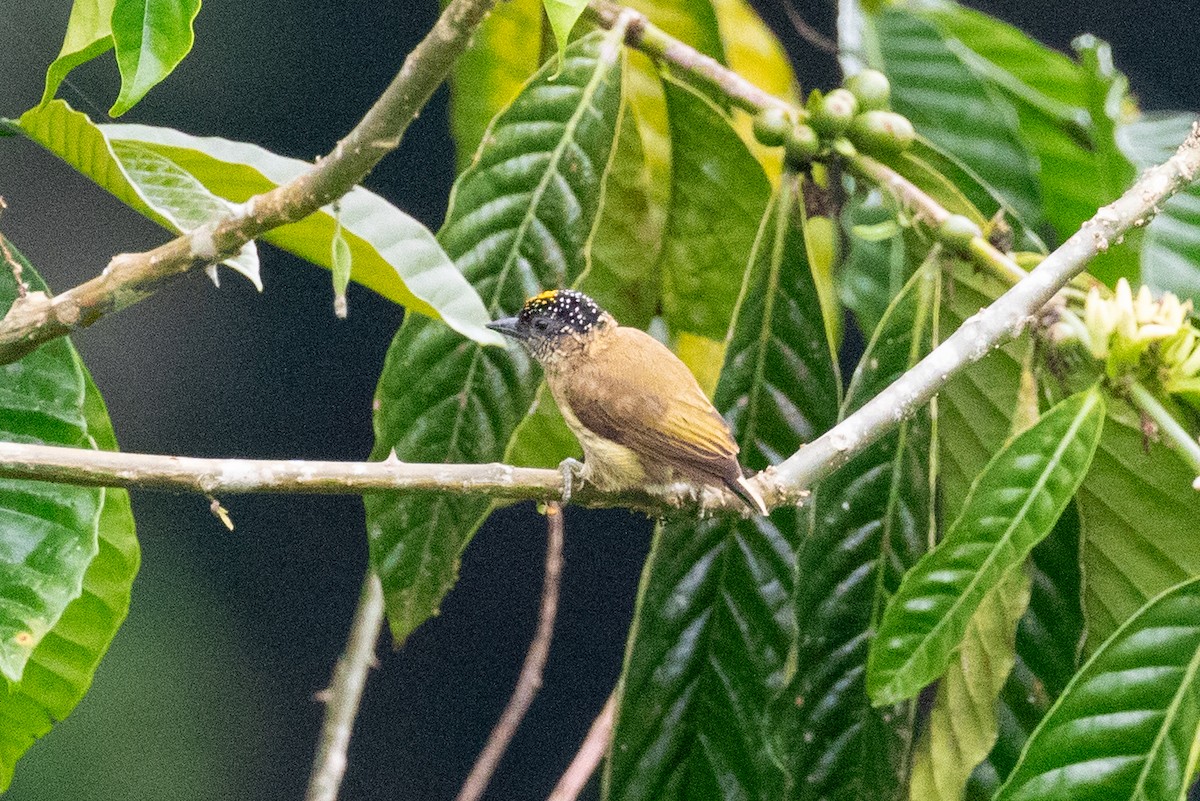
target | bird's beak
[{"x": 506, "y": 326}]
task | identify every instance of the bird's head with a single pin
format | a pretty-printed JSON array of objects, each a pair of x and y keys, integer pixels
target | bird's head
[{"x": 554, "y": 322}]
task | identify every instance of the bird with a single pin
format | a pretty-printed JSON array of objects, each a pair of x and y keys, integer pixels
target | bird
[{"x": 636, "y": 409}]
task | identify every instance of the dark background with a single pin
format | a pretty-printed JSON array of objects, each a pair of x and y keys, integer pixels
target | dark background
[{"x": 207, "y": 691}]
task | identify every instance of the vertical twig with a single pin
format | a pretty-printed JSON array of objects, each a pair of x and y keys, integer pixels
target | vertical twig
[
  {"x": 13, "y": 264},
  {"x": 345, "y": 692},
  {"x": 530, "y": 679},
  {"x": 591, "y": 751}
]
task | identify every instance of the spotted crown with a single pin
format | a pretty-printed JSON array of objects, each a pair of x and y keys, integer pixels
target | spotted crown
[{"x": 571, "y": 310}]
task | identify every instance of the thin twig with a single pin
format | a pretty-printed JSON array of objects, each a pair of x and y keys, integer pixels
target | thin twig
[
  {"x": 807, "y": 32},
  {"x": 345, "y": 692},
  {"x": 13, "y": 265},
  {"x": 131, "y": 277},
  {"x": 530, "y": 679},
  {"x": 591, "y": 751}
]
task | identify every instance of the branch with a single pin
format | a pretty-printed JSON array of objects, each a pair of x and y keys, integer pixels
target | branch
[
  {"x": 345, "y": 692},
  {"x": 591, "y": 751},
  {"x": 210, "y": 477},
  {"x": 530, "y": 679},
  {"x": 130, "y": 277}
]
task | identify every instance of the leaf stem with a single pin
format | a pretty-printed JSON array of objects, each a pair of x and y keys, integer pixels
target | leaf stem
[
  {"x": 1188, "y": 447},
  {"x": 530, "y": 678},
  {"x": 345, "y": 692},
  {"x": 130, "y": 277}
]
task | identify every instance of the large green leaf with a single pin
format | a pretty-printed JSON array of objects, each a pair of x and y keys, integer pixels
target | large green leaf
[
  {"x": 1126, "y": 726},
  {"x": 503, "y": 54},
  {"x": 1171, "y": 248},
  {"x": 519, "y": 220},
  {"x": 59, "y": 669},
  {"x": 948, "y": 103},
  {"x": 89, "y": 34},
  {"x": 962, "y": 725},
  {"x": 718, "y": 193},
  {"x": 1065, "y": 115},
  {"x": 393, "y": 254},
  {"x": 1011, "y": 506},
  {"x": 870, "y": 523},
  {"x": 151, "y": 37},
  {"x": 709, "y": 648}
]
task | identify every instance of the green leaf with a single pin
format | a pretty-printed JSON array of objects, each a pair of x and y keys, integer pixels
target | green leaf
[
  {"x": 1048, "y": 641},
  {"x": 1126, "y": 726},
  {"x": 1064, "y": 117},
  {"x": 1171, "y": 248},
  {"x": 756, "y": 54},
  {"x": 186, "y": 204},
  {"x": 520, "y": 219},
  {"x": 869, "y": 525},
  {"x": 714, "y": 625},
  {"x": 151, "y": 38},
  {"x": 59, "y": 669},
  {"x": 956, "y": 110},
  {"x": 89, "y": 34},
  {"x": 962, "y": 724},
  {"x": 341, "y": 259},
  {"x": 718, "y": 192},
  {"x": 1138, "y": 514},
  {"x": 563, "y": 14},
  {"x": 47, "y": 531},
  {"x": 394, "y": 254},
  {"x": 1012, "y": 505},
  {"x": 492, "y": 71}
]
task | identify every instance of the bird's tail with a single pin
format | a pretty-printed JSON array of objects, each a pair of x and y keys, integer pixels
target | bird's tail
[{"x": 748, "y": 493}]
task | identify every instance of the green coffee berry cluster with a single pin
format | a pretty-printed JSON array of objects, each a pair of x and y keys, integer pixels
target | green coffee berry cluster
[{"x": 857, "y": 112}]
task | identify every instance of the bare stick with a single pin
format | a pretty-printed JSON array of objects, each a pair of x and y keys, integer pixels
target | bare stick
[
  {"x": 130, "y": 277},
  {"x": 591, "y": 751},
  {"x": 345, "y": 692},
  {"x": 530, "y": 679},
  {"x": 213, "y": 477}
]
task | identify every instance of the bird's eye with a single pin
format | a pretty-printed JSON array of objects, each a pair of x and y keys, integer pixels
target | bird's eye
[{"x": 541, "y": 324}]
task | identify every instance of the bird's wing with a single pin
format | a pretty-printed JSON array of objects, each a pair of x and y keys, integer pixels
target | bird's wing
[{"x": 623, "y": 398}]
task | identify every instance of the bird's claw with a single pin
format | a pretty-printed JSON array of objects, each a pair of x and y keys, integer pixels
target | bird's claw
[{"x": 571, "y": 470}]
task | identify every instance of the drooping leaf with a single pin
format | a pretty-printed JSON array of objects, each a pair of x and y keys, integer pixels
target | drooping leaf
[
  {"x": 1126, "y": 726},
  {"x": 1012, "y": 505},
  {"x": 60, "y": 667},
  {"x": 151, "y": 37},
  {"x": 876, "y": 265},
  {"x": 718, "y": 193},
  {"x": 956, "y": 110},
  {"x": 341, "y": 263},
  {"x": 519, "y": 220},
  {"x": 1048, "y": 641},
  {"x": 869, "y": 525},
  {"x": 89, "y": 34},
  {"x": 710, "y": 644},
  {"x": 493, "y": 69},
  {"x": 1171, "y": 248},
  {"x": 962, "y": 725},
  {"x": 393, "y": 254}
]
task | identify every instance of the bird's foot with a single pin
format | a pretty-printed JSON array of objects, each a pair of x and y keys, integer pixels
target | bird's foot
[{"x": 572, "y": 471}]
